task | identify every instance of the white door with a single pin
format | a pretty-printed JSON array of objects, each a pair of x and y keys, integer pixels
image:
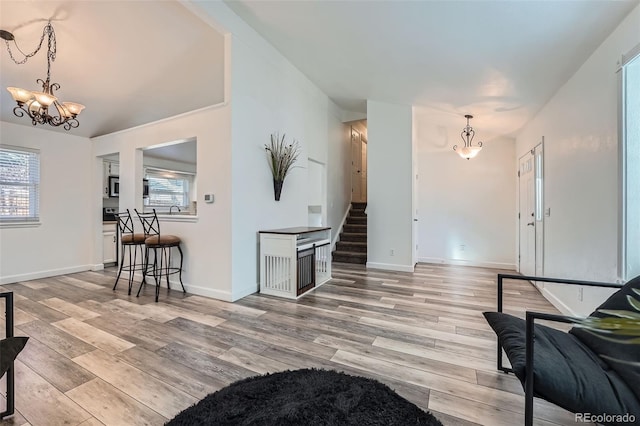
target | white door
[
  {"x": 527, "y": 223},
  {"x": 356, "y": 166},
  {"x": 531, "y": 214}
]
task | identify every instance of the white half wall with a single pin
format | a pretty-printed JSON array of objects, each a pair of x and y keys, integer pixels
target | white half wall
[
  {"x": 389, "y": 186},
  {"x": 467, "y": 208},
  {"x": 581, "y": 171},
  {"x": 63, "y": 242},
  {"x": 206, "y": 242}
]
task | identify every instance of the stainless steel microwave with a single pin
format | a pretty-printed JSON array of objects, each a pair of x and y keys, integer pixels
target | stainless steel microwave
[{"x": 114, "y": 187}]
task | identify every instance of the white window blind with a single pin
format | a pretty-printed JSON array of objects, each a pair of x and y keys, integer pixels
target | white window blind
[
  {"x": 19, "y": 184},
  {"x": 168, "y": 188}
]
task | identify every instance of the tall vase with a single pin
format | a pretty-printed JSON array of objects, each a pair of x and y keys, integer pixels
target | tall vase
[{"x": 277, "y": 188}]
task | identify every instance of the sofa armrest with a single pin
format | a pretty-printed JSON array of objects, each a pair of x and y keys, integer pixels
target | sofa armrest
[{"x": 502, "y": 277}]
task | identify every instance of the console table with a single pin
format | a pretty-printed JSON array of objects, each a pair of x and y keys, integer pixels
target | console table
[{"x": 294, "y": 260}]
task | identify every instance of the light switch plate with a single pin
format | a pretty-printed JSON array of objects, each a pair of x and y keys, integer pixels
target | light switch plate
[{"x": 208, "y": 198}]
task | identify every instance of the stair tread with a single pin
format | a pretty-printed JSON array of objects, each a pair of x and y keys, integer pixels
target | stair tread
[{"x": 349, "y": 253}]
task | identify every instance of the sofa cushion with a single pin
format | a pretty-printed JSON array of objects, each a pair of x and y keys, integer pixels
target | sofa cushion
[
  {"x": 566, "y": 372},
  {"x": 624, "y": 358},
  {"x": 9, "y": 350}
]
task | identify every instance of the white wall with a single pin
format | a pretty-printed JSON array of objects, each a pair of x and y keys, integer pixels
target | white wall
[
  {"x": 268, "y": 95},
  {"x": 389, "y": 186},
  {"x": 274, "y": 97},
  {"x": 63, "y": 242},
  {"x": 470, "y": 203},
  {"x": 206, "y": 243},
  {"x": 338, "y": 174},
  {"x": 581, "y": 171}
]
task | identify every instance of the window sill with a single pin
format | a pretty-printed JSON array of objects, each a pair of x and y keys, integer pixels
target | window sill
[
  {"x": 20, "y": 224},
  {"x": 177, "y": 218}
]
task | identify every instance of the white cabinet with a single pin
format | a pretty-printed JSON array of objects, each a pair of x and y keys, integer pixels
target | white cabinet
[
  {"x": 294, "y": 260},
  {"x": 109, "y": 243}
]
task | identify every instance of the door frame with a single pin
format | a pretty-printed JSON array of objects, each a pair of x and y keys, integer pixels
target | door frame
[{"x": 537, "y": 153}]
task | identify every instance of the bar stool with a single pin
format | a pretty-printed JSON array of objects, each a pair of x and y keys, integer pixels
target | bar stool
[
  {"x": 162, "y": 243},
  {"x": 131, "y": 241}
]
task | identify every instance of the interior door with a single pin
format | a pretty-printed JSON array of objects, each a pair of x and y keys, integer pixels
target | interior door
[
  {"x": 356, "y": 166},
  {"x": 527, "y": 223}
]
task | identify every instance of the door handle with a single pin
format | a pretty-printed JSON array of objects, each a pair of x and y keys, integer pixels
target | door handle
[
  {"x": 530, "y": 224},
  {"x": 415, "y": 220}
]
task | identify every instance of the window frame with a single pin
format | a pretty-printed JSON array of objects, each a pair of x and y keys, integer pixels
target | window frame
[
  {"x": 33, "y": 185},
  {"x": 623, "y": 264},
  {"x": 189, "y": 177}
]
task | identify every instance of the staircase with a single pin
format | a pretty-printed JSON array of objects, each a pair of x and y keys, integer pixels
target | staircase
[{"x": 352, "y": 247}]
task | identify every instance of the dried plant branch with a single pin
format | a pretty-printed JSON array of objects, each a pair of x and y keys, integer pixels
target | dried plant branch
[{"x": 281, "y": 156}]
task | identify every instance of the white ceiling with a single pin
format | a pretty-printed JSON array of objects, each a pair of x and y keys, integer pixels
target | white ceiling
[
  {"x": 498, "y": 60},
  {"x": 184, "y": 152},
  {"x": 128, "y": 62},
  {"x": 132, "y": 62}
]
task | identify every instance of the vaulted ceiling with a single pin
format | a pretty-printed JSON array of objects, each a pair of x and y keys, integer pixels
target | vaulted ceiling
[
  {"x": 128, "y": 62},
  {"x": 498, "y": 60},
  {"x": 132, "y": 62}
]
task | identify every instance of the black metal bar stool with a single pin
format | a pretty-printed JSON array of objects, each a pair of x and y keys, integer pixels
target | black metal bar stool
[
  {"x": 129, "y": 241},
  {"x": 162, "y": 260}
]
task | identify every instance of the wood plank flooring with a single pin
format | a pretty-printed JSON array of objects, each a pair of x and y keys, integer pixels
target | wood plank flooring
[{"x": 101, "y": 357}]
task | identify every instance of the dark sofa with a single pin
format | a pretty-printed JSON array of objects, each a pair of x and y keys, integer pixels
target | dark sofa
[{"x": 581, "y": 371}]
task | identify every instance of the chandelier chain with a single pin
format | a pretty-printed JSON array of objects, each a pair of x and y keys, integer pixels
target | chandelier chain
[
  {"x": 48, "y": 30},
  {"x": 36, "y": 105}
]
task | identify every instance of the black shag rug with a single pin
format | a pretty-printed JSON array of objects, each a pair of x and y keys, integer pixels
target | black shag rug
[{"x": 305, "y": 397}]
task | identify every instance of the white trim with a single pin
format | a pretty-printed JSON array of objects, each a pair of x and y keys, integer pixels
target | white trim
[
  {"x": 559, "y": 304},
  {"x": 175, "y": 286},
  {"x": 239, "y": 294},
  {"x": 390, "y": 267},
  {"x": 481, "y": 264},
  {"x": 336, "y": 238},
  {"x": 97, "y": 267},
  {"x": 177, "y": 218},
  {"x": 44, "y": 274},
  {"x": 18, "y": 224},
  {"x": 153, "y": 123}
]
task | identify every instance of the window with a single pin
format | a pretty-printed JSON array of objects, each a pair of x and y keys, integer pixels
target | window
[
  {"x": 630, "y": 132},
  {"x": 19, "y": 184},
  {"x": 168, "y": 188}
]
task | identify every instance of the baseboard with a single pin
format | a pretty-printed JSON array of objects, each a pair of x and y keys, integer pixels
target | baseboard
[
  {"x": 225, "y": 296},
  {"x": 559, "y": 304},
  {"x": 239, "y": 294},
  {"x": 97, "y": 267},
  {"x": 336, "y": 237},
  {"x": 44, "y": 274},
  {"x": 390, "y": 267},
  {"x": 481, "y": 264}
]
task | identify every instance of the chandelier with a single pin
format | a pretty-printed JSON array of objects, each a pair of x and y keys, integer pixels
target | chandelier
[
  {"x": 468, "y": 151},
  {"x": 38, "y": 105}
]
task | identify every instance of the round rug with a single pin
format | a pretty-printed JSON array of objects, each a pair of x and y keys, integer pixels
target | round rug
[{"x": 305, "y": 397}]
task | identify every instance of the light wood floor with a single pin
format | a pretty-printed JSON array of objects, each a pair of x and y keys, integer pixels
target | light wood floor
[{"x": 101, "y": 357}]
